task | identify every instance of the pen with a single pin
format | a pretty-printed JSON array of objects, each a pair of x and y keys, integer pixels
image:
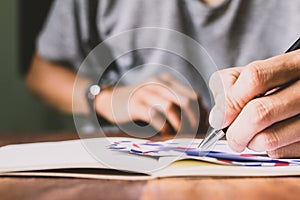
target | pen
[{"x": 214, "y": 135}]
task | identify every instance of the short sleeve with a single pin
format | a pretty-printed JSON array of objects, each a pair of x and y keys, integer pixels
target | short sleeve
[{"x": 57, "y": 42}]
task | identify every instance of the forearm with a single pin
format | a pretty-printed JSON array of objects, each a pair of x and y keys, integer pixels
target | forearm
[{"x": 54, "y": 84}]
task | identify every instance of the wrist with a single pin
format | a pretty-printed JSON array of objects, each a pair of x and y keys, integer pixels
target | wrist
[
  {"x": 98, "y": 98},
  {"x": 102, "y": 103}
]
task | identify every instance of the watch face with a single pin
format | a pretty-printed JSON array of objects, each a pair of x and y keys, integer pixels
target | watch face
[{"x": 95, "y": 90}]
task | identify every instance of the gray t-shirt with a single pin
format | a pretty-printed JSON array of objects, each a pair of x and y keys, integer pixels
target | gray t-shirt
[{"x": 234, "y": 33}]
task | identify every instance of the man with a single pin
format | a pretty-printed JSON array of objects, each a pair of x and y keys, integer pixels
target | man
[{"x": 234, "y": 32}]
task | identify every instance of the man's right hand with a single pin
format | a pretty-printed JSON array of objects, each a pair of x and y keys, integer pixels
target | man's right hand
[{"x": 261, "y": 105}]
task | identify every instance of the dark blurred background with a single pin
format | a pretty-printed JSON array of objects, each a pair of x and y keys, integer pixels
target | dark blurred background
[{"x": 20, "y": 111}]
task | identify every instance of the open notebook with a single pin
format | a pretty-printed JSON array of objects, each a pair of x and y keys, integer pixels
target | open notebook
[{"x": 136, "y": 159}]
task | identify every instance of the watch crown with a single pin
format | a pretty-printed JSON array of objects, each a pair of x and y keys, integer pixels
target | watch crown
[{"x": 95, "y": 90}]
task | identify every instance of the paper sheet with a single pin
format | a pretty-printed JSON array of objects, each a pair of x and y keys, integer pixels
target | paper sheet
[{"x": 219, "y": 155}]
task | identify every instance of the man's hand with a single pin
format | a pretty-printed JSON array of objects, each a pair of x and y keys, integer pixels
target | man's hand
[
  {"x": 261, "y": 105},
  {"x": 162, "y": 102}
]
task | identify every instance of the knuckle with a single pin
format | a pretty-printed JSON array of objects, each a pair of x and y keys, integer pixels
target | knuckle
[
  {"x": 152, "y": 80},
  {"x": 253, "y": 74},
  {"x": 138, "y": 94},
  {"x": 231, "y": 103},
  {"x": 166, "y": 76},
  {"x": 271, "y": 141},
  {"x": 275, "y": 153},
  {"x": 168, "y": 107},
  {"x": 259, "y": 111}
]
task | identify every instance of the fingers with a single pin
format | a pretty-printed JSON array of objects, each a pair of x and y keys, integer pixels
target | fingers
[
  {"x": 147, "y": 105},
  {"x": 255, "y": 79},
  {"x": 167, "y": 96},
  {"x": 184, "y": 97},
  {"x": 155, "y": 118},
  {"x": 259, "y": 77},
  {"x": 163, "y": 105},
  {"x": 290, "y": 151},
  {"x": 277, "y": 136},
  {"x": 162, "y": 102},
  {"x": 145, "y": 117},
  {"x": 261, "y": 113}
]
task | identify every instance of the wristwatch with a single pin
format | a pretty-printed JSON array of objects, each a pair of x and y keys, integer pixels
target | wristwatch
[
  {"x": 94, "y": 89},
  {"x": 92, "y": 92}
]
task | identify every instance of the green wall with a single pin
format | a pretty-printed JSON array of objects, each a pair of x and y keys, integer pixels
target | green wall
[{"x": 19, "y": 110}]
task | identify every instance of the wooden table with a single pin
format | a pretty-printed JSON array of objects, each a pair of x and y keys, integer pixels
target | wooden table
[{"x": 168, "y": 188}]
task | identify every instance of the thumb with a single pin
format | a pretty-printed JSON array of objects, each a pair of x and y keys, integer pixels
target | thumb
[
  {"x": 226, "y": 106},
  {"x": 234, "y": 95}
]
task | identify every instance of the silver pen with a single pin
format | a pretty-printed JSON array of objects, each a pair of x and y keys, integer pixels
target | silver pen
[{"x": 211, "y": 139}]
